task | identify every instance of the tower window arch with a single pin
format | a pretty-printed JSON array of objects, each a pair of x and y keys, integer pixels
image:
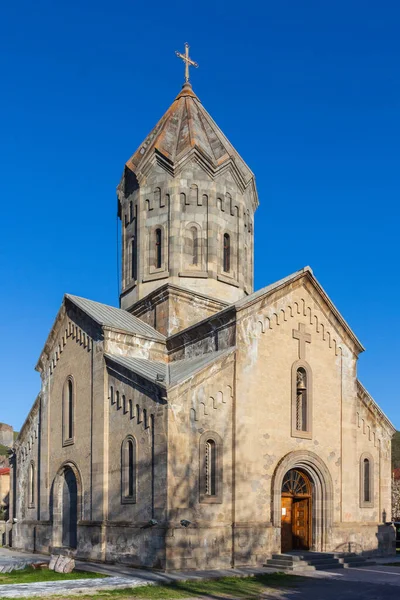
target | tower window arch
[
  {"x": 227, "y": 253},
  {"x": 68, "y": 420},
  {"x": 158, "y": 248},
  {"x": 211, "y": 483},
  {"x": 301, "y": 400},
  {"x": 194, "y": 239},
  {"x": 129, "y": 470},
  {"x": 133, "y": 259},
  {"x": 366, "y": 481}
]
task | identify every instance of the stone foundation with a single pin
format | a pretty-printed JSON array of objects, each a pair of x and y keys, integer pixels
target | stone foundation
[{"x": 368, "y": 539}]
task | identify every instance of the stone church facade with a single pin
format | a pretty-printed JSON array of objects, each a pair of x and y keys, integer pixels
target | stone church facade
[{"x": 201, "y": 424}]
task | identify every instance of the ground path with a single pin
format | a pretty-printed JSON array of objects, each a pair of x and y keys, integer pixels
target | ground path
[{"x": 365, "y": 583}]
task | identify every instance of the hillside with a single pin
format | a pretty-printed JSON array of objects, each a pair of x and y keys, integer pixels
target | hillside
[{"x": 396, "y": 450}]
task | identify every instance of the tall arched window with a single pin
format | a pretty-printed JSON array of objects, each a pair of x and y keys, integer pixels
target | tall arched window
[
  {"x": 112, "y": 394},
  {"x": 68, "y": 411},
  {"x": 301, "y": 400},
  {"x": 194, "y": 238},
  {"x": 227, "y": 253},
  {"x": 210, "y": 468},
  {"x": 133, "y": 259},
  {"x": 118, "y": 399},
  {"x": 129, "y": 470},
  {"x": 366, "y": 481},
  {"x": 31, "y": 486},
  {"x": 158, "y": 248}
]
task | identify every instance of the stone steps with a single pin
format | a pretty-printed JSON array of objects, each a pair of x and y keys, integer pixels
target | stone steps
[{"x": 315, "y": 561}]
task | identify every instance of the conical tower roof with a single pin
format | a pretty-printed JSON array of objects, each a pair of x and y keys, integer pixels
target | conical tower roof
[{"x": 187, "y": 131}]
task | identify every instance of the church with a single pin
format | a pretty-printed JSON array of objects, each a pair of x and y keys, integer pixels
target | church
[{"x": 201, "y": 424}]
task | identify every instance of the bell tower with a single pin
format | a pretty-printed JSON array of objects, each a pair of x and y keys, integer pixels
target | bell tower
[{"x": 186, "y": 203}]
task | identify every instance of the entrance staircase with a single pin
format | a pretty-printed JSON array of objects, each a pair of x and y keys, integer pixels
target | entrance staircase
[{"x": 316, "y": 561}]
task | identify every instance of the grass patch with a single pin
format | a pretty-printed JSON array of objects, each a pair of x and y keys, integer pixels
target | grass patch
[
  {"x": 31, "y": 575},
  {"x": 226, "y": 587}
]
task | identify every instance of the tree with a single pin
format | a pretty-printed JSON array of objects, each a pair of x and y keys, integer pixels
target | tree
[{"x": 396, "y": 450}]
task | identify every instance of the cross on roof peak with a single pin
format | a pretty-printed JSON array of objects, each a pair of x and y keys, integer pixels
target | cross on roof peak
[{"x": 187, "y": 60}]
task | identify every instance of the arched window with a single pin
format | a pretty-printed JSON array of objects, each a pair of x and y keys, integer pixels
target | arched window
[
  {"x": 118, "y": 399},
  {"x": 68, "y": 411},
  {"x": 227, "y": 253},
  {"x": 112, "y": 394},
  {"x": 366, "y": 481},
  {"x": 31, "y": 486},
  {"x": 133, "y": 259},
  {"x": 128, "y": 470},
  {"x": 210, "y": 468},
  {"x": 124, "y": 408},
  {"x": 145, "y": 425},
  {"x": 301, "y": 400},
  {"x": 194, "y": 239},
  {"x": 130, "y": 211},
  {"x": 158, "y": 248}
]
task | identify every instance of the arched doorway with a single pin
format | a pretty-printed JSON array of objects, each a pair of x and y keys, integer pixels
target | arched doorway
[
  {"x": 69, "y": 509},
  {"x": 320, "y": 510},
  {"x": 66, "y": 505},
  {"x": 296, "y": 529}
]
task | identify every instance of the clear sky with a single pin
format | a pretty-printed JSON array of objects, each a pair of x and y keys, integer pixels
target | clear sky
[{"x": 308, "y": 92}]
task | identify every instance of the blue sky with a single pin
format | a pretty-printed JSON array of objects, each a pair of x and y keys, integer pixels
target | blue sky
[{"x": 308, "y": 92}]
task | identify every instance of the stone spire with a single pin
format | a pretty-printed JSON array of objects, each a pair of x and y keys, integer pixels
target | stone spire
[{"x": 187, "y": 202}]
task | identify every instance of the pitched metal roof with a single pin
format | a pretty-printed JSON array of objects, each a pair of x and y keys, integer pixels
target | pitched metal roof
[
  {"x": 109, "y": 316},
  {"x": 149, "y": 369},
  {"x": 183, "y": 369},
  {"x": 173, "y": 373}
]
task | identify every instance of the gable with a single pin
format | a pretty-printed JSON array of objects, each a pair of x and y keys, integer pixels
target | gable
[{"x": 294, "y": 297}]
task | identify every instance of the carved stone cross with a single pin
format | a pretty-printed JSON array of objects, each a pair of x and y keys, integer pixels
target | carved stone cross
[{"x": 303, "y": 338}]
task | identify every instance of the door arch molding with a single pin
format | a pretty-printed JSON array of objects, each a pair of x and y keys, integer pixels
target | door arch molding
[
  {"x": 56, "y": 502},
  {"x": 322, "y": 505}
]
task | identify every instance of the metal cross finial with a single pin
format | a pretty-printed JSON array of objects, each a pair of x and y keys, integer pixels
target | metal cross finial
[
  {"x": 303, "y": 338},
  {"x": 187, "y": 60}
]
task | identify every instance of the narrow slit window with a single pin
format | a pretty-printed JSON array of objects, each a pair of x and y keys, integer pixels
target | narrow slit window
[
  {"x": 70, "y": 409},
  {"x": 227, "y": 253},
  {"x": 158, "y": 248},
  {"x": 31, "y": 485},
  {"x": 129, "y": 470},
  {"x": 195, "y": 245},
  {"x": 133, "y": 259},
  {"x": 367, "y": 478},
  {"x": 210, "y": 468}
]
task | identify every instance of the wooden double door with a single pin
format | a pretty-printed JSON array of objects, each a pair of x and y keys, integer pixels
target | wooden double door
[{"x": 296, "y": 512}]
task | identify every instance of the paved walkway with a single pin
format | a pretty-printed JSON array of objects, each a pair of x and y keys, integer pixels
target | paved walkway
[{"x": 366, "y": 583}]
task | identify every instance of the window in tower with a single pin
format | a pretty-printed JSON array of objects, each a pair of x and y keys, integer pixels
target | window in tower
[
  {"x": 227, "y": 253},
  {"x": 158, "y": 248},
  {"x": 194, "y": 245},
  {"x": 133, "y": 259}
]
